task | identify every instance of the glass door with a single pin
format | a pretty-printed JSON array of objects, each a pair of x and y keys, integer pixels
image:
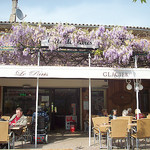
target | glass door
[{"x": 66, "y": 102}]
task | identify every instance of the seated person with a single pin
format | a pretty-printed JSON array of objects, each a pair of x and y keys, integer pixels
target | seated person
[
  {"x": 18, "y": 118},
  {"x": 104, "y": 113},
  {"x": 29, "y": 112},
  {"x": 124, "y": 112},
  {"x": 130, "y": 112},
  {"x": 140, "y": 114},
  {"x": 1, "y": 116},
  {"x": 99, "y": 111},
  {"x": 113, "y": 114},
  {"x": 40, "y": 113}
]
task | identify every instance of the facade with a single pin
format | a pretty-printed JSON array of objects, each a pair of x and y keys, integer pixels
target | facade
[{"x": 66, "y": 97}]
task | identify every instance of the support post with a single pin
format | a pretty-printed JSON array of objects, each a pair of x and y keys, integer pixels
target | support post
[
  {"x": 89, "y": 103},
  {"x": 37, "y": 97},
  {"x": 137, "y": 88},
  {"x": 137, "y": 99}
]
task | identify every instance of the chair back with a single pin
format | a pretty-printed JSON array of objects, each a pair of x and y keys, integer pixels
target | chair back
[
  {"x": 97, "y": 121},
  {"x": 4, "y": 125},
  {"x": 148, "y": 116},
  {"x": 119, "y": 128},
  {"x": 5, "y": 117},
  {"x": 100, "y": 120},
  {"x": 143, "y": 128},
  {"x": 29, "y": 120},
  {"x": 95, "y": 124},
  {"x": 41, "y": 122},
  {"x": 129, "y": 118},
  {"x": 93, "y": 116}
]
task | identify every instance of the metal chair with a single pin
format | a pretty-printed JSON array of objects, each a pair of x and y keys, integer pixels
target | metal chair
[
  {"x": 5, "y": 136},
  {"x": 27, "y": 129},
  {"x": 119, "y": 130},
  {"x": 142, "y": 131},
  {"x": 98, "y": 131}
]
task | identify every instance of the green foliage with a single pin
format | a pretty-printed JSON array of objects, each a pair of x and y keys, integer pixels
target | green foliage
[{"x": 142, "y": 1}]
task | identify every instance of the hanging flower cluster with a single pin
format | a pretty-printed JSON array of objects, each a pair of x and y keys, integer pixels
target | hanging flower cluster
[{"x": 115, "y": 47}]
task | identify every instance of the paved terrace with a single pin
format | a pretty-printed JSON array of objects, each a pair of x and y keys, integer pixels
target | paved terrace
[{"x": 68, "y": 141}]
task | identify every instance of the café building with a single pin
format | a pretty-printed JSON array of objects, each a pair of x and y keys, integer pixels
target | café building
[{"x": 64, "y": 91}]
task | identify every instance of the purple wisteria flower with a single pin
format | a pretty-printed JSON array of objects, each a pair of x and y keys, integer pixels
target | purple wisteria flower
[{"x": 116, "y": 46}]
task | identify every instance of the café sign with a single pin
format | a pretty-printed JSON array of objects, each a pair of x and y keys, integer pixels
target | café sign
[
  {"x": 73, "y": 72},
  {"x": 31, "y": 73},
  {"x": 116, "y": 74}
]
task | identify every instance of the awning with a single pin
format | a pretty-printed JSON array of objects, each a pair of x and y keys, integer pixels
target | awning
[{"x": 73, "y": 72}]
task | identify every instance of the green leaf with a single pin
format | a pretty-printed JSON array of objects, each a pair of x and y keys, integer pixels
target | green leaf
[{"x": 142, "y": 1}]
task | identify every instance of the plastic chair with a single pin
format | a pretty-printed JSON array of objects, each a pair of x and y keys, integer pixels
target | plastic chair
[
  {"x": 98, "y": 131},
  {"x": 5, "y": 118},
  {"x": 5, "y": 136},
  {"x": 142, "y": 131},
  {"x": 119, "y": 130}
]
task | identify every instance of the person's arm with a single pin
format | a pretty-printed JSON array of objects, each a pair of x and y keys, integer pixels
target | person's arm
[
  {"x": 12, "y": 118},
  {"x": 46, "y": 116},
  {"x": 22, "y": 121},
  {"x": 33, "y": 117}
]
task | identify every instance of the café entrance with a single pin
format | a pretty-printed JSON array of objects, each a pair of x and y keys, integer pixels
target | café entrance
[{"x": 65, "y": 102}]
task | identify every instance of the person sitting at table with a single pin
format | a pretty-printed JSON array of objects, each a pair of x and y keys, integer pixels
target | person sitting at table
[
  {"x": 113, "y": 114},
  {"x": 130, "y": 112},
  {"x": 29, "y": 112},
  {"x": 1, "y": 116},
  {"x": 104, "y": 113},
  {"x": 1, "y": 119},
  {"x": 40, "y": 113},
  {"x": 124, "y": 112},
  {"x": 138, "y": 111},
  {"x": 99, "y": 111},
  {"x": 18, "y": 119}
]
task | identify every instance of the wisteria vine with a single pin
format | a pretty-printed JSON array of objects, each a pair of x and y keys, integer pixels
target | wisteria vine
[{"x": 115, "y": 47}]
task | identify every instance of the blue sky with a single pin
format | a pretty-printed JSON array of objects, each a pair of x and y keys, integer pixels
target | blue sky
[{"x": 103, "y": 12}]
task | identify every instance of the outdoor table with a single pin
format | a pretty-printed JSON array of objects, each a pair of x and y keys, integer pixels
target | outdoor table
[
  {"x": 132, "y": 125},
  {"x": 134, "y": 120},
  {"x": 15, "y": 127},
  {"x": 18, "y": 131},
  {"x": 109, "y": 125}
]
